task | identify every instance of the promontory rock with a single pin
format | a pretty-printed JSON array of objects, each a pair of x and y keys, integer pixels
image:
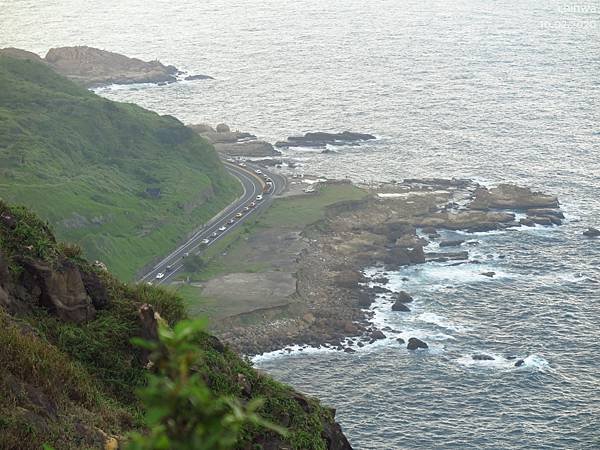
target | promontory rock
[{"x": 93, "y": 67}]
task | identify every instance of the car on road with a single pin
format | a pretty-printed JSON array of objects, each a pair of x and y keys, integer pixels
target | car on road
[
  {"x": 215, "y": 234},
  {"x": 259, "y": 198},
  {"x": 239, "y": 215},
  {"x": 258, "y": 171},
  {"x": 223, "y": 228},
  {"x": 231, "y": 221},
  {"x": 160, "y": 276},
  {"x": 169, "y": 269},
  {"x": 205, "y": 241},
  {"x": 246, "y": 208},
  {"x": 252, "y": 205},
  {"x": 185, "y": 255},
  {"x": 265, "y": 177},
  {"x": 242, "y": 164}
]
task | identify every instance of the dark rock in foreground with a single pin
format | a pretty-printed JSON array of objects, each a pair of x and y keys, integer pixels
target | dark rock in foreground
[
  {"x": 519, "y": 363},
  {"x": 489, "y": 274},
  {"x": 414, "y": 344},
  {"x": 482, "y": 357},
  {"x": 321, "y": 139},
  {"x": 591, "y": 232}
]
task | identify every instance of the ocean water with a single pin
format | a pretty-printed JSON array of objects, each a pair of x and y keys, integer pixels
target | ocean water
[{"x": 491, "y": 90}]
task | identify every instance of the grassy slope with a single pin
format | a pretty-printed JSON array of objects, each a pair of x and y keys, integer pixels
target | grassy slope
[
  {"x": 83, "y": 163},
  {"x": 59, "y": 381},
  {"x": 230, "y": 254}
]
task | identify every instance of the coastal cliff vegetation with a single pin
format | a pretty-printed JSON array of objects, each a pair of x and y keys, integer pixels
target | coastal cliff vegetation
[
  {"x": 87, "y": 361},
  {"x": 122, "y": 182}
]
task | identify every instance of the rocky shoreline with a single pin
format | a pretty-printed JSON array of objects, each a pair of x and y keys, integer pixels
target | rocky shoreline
[
  {"x": 388, "y": 229},
  {"x": 92, "y": 67}
]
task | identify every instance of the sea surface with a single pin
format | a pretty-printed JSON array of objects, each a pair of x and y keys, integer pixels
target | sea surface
[{"x": 490, "y": 90}]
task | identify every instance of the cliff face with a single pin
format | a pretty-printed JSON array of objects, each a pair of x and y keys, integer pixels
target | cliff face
[
  {"x": 69, "y": 374},
  {"x": 93, "y": 67}
]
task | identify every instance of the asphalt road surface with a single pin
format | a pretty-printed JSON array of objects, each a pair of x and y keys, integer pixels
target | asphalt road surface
[{"x": 253, "y": 185}]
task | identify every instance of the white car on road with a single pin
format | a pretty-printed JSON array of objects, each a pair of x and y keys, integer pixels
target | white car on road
[
  {"x": 259, "y": 198},
  {"x": 160, "y": 276},
  {"x": 222, "y": 229}
]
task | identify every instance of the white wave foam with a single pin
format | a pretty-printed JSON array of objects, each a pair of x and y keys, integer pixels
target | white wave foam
[
  {"x": 531, "y": 362},
  {"x": 435, "y": 319}
]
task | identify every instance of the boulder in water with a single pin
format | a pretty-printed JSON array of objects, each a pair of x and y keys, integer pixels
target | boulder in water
[
  {"x": 452, "y": 243},
  {"x": 489, "y": 274},
  {"x": 415, "y": 343},
  {"x": 482, "y": 357},
  {"x": 377, "y": 335},
  {"x": 591, "y": 232},
  {"x": 400, "y": 307},
  {"x": 519, "y": 363}
]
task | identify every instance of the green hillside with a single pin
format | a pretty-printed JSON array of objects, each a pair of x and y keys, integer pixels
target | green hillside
[
  {"x": 123, "y": 182},
  {"x": 77, "y": 382}
]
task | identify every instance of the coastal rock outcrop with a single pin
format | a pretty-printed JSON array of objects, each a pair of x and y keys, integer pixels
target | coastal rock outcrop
[
  {"x": 591, "y": 232},
  {"x": 322, "y": 139},
  {"x": 482, "y": 357},
  {"x": 60, "y": 289},
  {"x": 94, "y": 67},
  {"x": 511, "y": 196},
  {"x": 235, "y": 143}
]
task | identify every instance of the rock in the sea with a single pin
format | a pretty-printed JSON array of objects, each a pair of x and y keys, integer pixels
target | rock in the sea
[
  {"x": 591, "y": 232},
  {"x": 452, "y": 243},
  {"x": 198, "y": 77},
  {"x": 519, "y": 363},
  {"x": 546, "y": 221},
  {"x": 349, "y": 350},
  {"x": 415, "y": 343},
  {"x": 443, "y": 257},
  {"x": 403, "y": 297},
  {"x": 400, "y": 307},
  {"x": 489, "y": 274},
  {"x": 527, "y": 222},
  {"x": 400, "y": 341},
  {"x": 513, "y": 197},
  {"x": 482, "y": 357},
  {"x": 377, "y": 335},
  {"x": 545, "y": 212},
  {"x": 321, "y": 139}
]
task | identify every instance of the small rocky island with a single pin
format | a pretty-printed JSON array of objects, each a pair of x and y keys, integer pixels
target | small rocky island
[{"x": 92, "y": 67}]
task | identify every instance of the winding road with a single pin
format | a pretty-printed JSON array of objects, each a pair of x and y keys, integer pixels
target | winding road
[{"x": 253, "y": 185}]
